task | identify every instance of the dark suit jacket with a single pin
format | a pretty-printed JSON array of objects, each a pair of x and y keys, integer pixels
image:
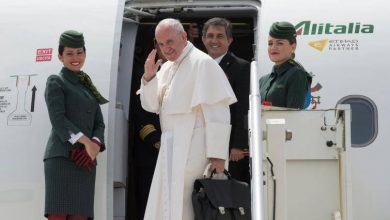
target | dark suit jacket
[
  {"x": 238, "y": 72},
  {"x": 72, "y": 109},
  {"x": 146, "y": 126}
]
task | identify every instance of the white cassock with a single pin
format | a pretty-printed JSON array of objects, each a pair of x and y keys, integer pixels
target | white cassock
[{"x": 192, "y": 97}]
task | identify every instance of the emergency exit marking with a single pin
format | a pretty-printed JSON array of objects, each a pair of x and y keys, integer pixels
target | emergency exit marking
[{"x": 44, "y": 54}]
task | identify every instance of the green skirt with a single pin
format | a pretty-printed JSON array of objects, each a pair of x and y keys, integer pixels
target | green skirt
[{"x": 69, "y": 189}]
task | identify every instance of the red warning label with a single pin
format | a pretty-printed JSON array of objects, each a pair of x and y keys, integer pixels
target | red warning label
[{"x": 44, "y": 54}]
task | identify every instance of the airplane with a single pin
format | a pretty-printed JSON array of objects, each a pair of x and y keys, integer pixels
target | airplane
[{"x": 342, "y": 43}]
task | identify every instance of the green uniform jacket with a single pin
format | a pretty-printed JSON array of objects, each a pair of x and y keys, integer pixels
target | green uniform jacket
[
  {"x": 72, "y": 109},
  {"x": 286, "y": 86}
]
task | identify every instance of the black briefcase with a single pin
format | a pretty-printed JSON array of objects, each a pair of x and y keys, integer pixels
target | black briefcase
[{"x": 217, "y": 199}]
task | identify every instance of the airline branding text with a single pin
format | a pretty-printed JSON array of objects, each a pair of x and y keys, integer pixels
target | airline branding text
[{"x": 309, "y": 28}]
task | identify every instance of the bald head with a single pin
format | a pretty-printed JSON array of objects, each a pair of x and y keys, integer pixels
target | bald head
[{"x": 171, "y": 38}]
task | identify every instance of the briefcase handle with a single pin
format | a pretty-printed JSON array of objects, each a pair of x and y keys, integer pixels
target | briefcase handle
[
  {"x": 224, "y": 171},
  {"x": 214, "y": 172}
]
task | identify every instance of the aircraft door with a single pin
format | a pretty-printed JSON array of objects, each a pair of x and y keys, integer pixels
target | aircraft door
[{"x": 121, "y": 128}]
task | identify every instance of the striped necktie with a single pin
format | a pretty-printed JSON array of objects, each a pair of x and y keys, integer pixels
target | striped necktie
[{"x": 87, "y": 82}]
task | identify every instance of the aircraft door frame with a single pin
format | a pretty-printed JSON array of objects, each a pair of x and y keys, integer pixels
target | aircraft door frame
[{"x": 121, "y": 117}]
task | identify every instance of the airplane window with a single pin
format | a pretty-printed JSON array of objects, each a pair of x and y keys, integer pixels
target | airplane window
[{"x": 364, "y": 125}]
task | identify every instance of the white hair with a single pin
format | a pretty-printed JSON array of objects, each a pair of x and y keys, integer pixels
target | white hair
[{"x": 170, "y": 23}]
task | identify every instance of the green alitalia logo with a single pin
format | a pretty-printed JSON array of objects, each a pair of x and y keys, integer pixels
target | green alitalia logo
[{"x": 309, "y": 28}]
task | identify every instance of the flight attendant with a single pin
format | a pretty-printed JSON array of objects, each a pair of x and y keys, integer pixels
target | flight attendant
[
  {"x": 288, "y": 83},
  {"x": 77, "y": 135}
]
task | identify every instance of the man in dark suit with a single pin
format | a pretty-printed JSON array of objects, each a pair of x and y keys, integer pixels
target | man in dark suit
[
  {"x": 217, "y": 37},
  {"x": 146, "y": 144},
  {"x": 147, "y": 131}
]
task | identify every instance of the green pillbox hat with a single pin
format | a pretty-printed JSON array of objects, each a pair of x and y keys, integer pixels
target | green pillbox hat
[
  {"x": 283, "y": 30},
  {"x": 71, "y": 38}
]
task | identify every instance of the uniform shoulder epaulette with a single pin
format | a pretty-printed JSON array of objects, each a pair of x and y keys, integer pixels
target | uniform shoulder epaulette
[{"x": 146, "y": 130}]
